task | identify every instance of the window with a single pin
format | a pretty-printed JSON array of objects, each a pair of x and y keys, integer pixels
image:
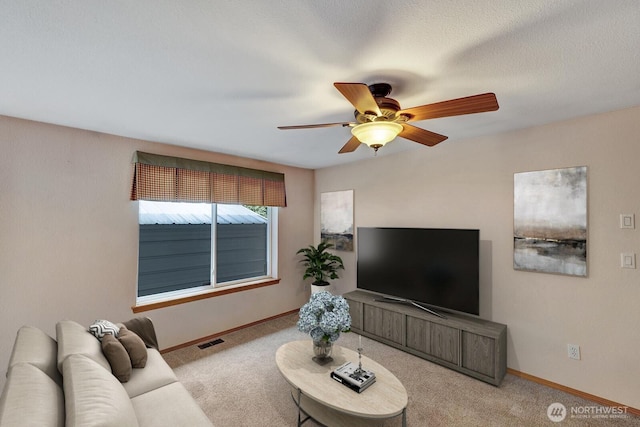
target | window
[{"x": 182, "y": 251}]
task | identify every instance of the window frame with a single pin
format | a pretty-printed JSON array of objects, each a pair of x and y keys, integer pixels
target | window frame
[{"x": 165, "y": 299}]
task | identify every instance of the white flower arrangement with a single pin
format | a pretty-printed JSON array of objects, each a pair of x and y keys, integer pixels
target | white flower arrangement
[{"x": 325, "y": 316}]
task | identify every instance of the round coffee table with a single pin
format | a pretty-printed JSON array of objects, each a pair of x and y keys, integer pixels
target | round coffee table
[{"x": 328, "y": 402}]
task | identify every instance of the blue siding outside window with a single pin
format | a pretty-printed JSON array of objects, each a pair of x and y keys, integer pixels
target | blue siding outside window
[{"x": 175, "y": 246}]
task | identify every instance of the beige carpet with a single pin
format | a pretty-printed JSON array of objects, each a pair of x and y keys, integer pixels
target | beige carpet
[{"x": 237, "y": 384}]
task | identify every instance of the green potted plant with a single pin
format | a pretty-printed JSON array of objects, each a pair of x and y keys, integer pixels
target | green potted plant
[{"x": 320, "y": 265}]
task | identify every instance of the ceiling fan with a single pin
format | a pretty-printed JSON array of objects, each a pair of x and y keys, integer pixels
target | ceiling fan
[{"x": 380, "y": 119}]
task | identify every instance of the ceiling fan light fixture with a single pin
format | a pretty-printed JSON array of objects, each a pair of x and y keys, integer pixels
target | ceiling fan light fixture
[{"x": 376, "y": 134}]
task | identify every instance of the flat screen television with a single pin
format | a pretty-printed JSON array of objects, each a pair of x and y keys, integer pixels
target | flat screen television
[{"x": 428, "y": 266}]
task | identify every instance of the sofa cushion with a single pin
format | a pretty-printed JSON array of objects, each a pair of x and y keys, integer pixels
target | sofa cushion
[
  {"x": 38, "y": 349},
  {"x": 118, "y": 357},
  {"x": 74, "y": 338},
  {"x": 94, "y": 397},
  {"x": 135, "y": 347},
  {"x": 143, "y": 327},
  {"x": 31, "y": 399},
  {"x": 157, "y": 373},
  {"x": 171, "y": 405}
]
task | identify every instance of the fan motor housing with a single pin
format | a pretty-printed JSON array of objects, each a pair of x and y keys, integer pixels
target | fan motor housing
[{"x": 388, "y": 107}]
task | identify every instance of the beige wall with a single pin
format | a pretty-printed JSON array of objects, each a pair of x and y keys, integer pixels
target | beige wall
[
  {"x": 469, "y": 184},
  {"x": 69, "y": 237}
]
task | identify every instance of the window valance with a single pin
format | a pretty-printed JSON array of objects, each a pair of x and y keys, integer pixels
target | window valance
[{"x": 174, "y": 179}]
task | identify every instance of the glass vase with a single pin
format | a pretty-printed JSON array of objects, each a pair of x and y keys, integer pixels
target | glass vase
[{"x": 322, "y": 351}]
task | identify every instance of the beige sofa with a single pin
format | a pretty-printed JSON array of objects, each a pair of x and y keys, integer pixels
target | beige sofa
[{"x": 69, "y": 382}]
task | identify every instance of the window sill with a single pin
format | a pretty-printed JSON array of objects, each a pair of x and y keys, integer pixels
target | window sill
[{"x": 204, "y": 295}]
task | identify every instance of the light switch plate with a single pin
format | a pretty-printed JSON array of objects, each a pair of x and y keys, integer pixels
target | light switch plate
[
  {"x": 628, "y": 260},
  {"x": 627, "y": 221}
]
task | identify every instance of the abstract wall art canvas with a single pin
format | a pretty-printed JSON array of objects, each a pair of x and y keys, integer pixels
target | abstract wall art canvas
[
  {"x": 336, "y": 219},
  {"x": 550, "y": 221}
]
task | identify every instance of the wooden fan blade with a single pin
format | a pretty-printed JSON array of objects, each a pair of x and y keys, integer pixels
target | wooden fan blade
[
  {"x": 321, "y": 125},
  {"x": 350, "y": 146},
  {"x": 421, "y": 136},
  {"x": 454, "y": 107},
  {"x": 360, "y": 96}
]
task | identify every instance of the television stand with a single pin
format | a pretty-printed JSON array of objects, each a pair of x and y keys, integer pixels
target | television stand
[
  {"x": 413, "y": 303},
  {"x": 464, "y": 343}
]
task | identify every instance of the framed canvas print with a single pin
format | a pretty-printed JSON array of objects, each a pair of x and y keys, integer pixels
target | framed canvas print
[
  {"x": 336, "y": 219},
  {"x": 550, "y": 221}
]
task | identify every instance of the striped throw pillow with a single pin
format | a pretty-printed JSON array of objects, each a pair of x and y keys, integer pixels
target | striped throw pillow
[{"x": 100, "y": 328}]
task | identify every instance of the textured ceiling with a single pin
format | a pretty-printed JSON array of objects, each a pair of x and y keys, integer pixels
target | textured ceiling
[{"x": 222, "y": 75}]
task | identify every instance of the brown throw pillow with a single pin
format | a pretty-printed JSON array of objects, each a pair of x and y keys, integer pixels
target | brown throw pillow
[
  {"x": 118, "y": 357},
  {"x": 134, "y": 346}
]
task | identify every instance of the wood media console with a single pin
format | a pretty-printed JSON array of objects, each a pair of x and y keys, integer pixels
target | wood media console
[{"x": 467, "y": 344}]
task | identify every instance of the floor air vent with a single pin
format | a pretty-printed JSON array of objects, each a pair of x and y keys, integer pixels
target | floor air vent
[{"x": 209, "y": 344}]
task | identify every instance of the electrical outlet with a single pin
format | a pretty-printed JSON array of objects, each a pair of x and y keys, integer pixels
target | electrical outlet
[
  {"x": 574, "y": 351},
  {"x": 628, "y": 260}
]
